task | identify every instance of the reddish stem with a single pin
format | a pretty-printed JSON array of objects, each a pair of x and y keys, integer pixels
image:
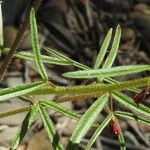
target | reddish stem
[{"x": 18, "y": 40}]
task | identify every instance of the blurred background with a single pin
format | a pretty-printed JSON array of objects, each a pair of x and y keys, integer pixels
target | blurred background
[{"x": 77, "y": 29}]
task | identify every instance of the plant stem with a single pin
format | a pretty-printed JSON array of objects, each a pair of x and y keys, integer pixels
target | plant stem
[
  {"x": 18, "y": 40},
  {"x": 93, "y": 88},
  {"x": 77, "y": 97},
  {"x": 16, "y": 111},
  {"x": 82, "y": 92}
]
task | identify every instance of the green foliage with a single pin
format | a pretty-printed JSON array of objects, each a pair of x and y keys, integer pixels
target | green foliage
[
  {"x": 86, "y": 121},
  {"x": 26, "y": 124},
  {"x": 105, "y": 86},
  {"x": 122, "y": 142},
  {"x": 110, "y": 72},
  {"x": 10, "y": 92},
  {"x": 44, "y": 58},
  {"x": 48, "y": 124},
  {"x": 36, "y": 47},
  {"x": 132, "y": 117},
  {"x": 61, "y": 109},
  {"x": 98, "y": 132},
  {"x": 61, "y": 56},
  {"x": 113, "y": 52},
  {"x": 103, "y": 49},
  {"x": 129, "y": 103}
]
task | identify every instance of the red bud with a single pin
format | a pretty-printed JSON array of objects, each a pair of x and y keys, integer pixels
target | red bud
[{"x": 114, "y": 127}]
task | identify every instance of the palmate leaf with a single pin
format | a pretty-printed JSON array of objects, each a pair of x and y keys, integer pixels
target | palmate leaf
[
  {"x": 127, "y": 101},
  {"x": 36, "y": 47},
  {"x": 103, "y": 49},
  {"x": 87, "y": 121},
  {"x": 61, "y": 109},
  {"x": 10, "y": 92},
  {"x": 98, "y": 132},
  {"x": 114, "y": 49},
  {"x": 50, "y": 129},
  {"x": 132, "y": 117},
  {"x": 26, "y": 124},
  {"x": 109, "y": 72}
]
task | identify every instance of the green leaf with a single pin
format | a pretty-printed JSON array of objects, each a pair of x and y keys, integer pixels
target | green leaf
[
  {"x": 33, "y": 114},
  {"x": 103, "y": 49},
  {"x": 74, "y": 63},
  {"x": 50, "y": 129},
  {"x": 45, "y": 59},
  {"x": 35, "y": 46},
  {"x": 87, "y": 120},
  {"x": 109, "y": 72},
  {"x": 98, "y": 132},
  {"x": 81, "y": 66},
  {"x": 114, "y": 49},
  {"x": 27, "y": 122},
  {"x": 122, "y": 142},
  {"x": 10, "y": 92},
  {"x": 132, "y": 116},
  {"x": 127, "y": 101},
  {"x": 58, "y": 54},
  {"x": 1, "y": 26},
  {"x": 61, "y": 109}
]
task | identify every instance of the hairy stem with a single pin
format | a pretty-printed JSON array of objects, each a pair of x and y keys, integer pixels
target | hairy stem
[
  {"x": 16, "y": 111},
  {"x": 77, "y": 97},
  {"x": 93, "y": 88},
  {"x": 81, "y": 92}
]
